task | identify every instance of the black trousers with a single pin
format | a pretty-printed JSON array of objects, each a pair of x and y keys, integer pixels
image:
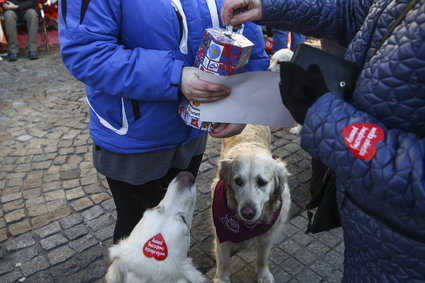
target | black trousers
[{"x": 131, "y": 201}]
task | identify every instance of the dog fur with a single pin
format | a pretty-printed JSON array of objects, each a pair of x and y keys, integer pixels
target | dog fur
[
  {"x": 245, "y": 159},
  {"x": 172, "y": 218}
]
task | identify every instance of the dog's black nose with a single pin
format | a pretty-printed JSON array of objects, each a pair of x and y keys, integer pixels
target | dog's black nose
[
  {"x": 248, "y": 212},
  {"x": 185, "y": 178}
]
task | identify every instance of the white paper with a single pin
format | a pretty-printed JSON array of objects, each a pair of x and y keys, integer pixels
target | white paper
[{"x": 255, "y": 99}]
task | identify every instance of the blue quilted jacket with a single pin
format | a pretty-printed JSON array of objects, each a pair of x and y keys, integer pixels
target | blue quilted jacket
[{"x": 375, "y": 143}]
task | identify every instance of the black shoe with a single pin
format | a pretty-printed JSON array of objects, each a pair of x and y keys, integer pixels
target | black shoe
[
  {"x": 32, "y": 55},
  {"x": 13, "y": 57}
]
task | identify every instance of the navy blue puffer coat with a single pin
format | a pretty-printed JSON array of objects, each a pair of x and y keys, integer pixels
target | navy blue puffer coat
[{"x": 375, "y": 143}]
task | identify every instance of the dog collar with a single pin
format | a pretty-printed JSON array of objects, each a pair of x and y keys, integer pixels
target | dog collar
[{"x": 227, "y": 226}]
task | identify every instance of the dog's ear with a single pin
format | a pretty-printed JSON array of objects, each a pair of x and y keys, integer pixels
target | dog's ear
[
  {"x": 281, "y": 175},
  {"x": 225, "y": 169}
]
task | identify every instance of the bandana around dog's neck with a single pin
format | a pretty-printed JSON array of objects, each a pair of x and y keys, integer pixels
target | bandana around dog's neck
[{"x": 227, "y": 226}]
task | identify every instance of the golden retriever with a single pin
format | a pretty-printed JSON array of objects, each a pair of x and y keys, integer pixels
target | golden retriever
[
  {"x": 251, "y": 200},
  {"x": 157, "y": 248}
]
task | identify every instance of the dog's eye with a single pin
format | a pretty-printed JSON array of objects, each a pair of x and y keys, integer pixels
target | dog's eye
[
  {"x": 238, "y": 181},
  {"x": 261, "y": 182}
]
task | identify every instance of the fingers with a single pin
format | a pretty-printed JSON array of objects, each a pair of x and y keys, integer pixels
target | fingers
[
  {"x": 199, "y": 90},
  {"x": 236, "y": 12},
  {"x": 224, "y": 130}
]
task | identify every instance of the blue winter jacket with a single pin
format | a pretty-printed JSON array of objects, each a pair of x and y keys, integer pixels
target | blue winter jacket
[
  {"x": 130, "y": 55},
  {"x": 381, "y": 199}
]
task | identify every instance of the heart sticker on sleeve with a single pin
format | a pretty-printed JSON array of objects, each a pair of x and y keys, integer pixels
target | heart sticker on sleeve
[
  {"x": 156, "y": 248},
  {"x": 361, "y": 139}
]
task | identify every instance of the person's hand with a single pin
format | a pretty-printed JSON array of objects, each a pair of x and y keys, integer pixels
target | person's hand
[
  {"x": 236, "y": 12},
  {"x": 225, "y": 130},
  {"x": 9, "y": 6},
  {"x": 300, "y": 88},
  {"x": 198, "y": 90}
]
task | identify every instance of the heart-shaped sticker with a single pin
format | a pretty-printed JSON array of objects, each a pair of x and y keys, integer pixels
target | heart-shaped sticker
[
  {"x": 361, "y": 139},
  {"x": 156, "y": 248}
]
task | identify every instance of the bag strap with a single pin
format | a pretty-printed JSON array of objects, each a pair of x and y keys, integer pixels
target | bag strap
[{"x": 401, "y": 17}]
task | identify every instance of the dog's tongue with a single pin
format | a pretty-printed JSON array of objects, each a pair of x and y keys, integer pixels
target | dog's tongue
[{"x": 156, "y": 248}]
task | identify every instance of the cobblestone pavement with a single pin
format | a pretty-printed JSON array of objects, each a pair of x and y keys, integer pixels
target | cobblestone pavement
[{"x": 56, "y": 212}]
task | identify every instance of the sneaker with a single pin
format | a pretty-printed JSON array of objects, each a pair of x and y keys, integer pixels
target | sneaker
[
  {"x": 32, "y": 55},
  {"x": 12, "y": 57}
]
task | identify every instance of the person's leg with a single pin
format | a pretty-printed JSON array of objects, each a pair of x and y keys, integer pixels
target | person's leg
[
  {"x": 10, "y": 20},
  {"x": 132, "y": 201},
  {"x": 31, "y": 18}
]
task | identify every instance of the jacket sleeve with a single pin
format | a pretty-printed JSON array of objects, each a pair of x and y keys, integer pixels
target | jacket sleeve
[
  {"x": 391, "y": 183},
  {"x": 91, "y": 50},
  {"x": 331, "y": 19},
  {"x": 259, "y": 60}
]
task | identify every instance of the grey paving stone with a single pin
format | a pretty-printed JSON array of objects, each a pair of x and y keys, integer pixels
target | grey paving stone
[
  {"x": 76, "y": 232},
  {"x": 26, "y": 254},
  {"x": 92, "y": 213},
  {"x": 48, "y": 230},
  {"x": 83, "y": 243},
  {"x": 20, "y": 242},
  {"x": 60, "y": 255},
  {"x": 71, "y": 220},
  {"x": 53, "y": 241},
  {"x": 308, "y": 276},
  {"x": 100, "y": 222},
  {"x": 36, "y": 264},
  {"x": 11, "y": 276}
]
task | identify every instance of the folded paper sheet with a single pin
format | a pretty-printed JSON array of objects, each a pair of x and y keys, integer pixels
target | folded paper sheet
[{"x": 255, "y": 99}]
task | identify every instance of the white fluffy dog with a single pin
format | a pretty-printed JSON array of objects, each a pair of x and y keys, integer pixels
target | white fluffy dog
[
  {"x": 157, "y": 248},
  {"x": 251, "y": 200},
  {"x": 283, "y": 55}
]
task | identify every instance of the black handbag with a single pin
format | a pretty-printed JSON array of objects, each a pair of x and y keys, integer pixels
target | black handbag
[{"x": 340, "y": 75}]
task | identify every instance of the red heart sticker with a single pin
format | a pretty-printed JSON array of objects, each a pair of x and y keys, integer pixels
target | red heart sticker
[
  {"x": 361, "y": 139},
  {"x": 156, "y": 247}
]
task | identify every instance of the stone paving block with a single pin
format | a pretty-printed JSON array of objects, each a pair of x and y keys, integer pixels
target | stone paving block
[
  {"x": 70, "y": 184},
  {"x": 100, "y": 222},
  {"x": 71, "y": 220},
  {"x": 100, "y": 197},
  {"x": 108, "y": 205},
  {"x": 10, "y": 197},
  {"x": 105, "y": 233},
  {"x": 14, "y": 216},
  {"x": 289, "y": 246},
  {"x": 69, "y": 174},
  {"x": 53, "y": 242},
  {"x": 48, "y": 230},
  {"x": 92, "y": 213},
  {"x": 76, "y": 232},
  {"x": 26, "y": 254},
  {"x": 19, "y": 228},
  {"x": 37, "y": 210},
  {"x": 6, "y": 267},
  {"x": 81, "y": 204},
  {"x": 83, "y": 243},
  {"x": 74, "y": 193},
  {"x": 308, "y": 276},
  {"x": 11, "y": 276},
  {"x": 60, "y": 255},
  {"x": 36, "y": 264},
  {"x": 13, "y": 205}
]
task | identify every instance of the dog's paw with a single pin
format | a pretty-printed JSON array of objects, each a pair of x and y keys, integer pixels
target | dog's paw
[
  {"x": 296, "y": 130},
  {"x": 265, "y": 277}
]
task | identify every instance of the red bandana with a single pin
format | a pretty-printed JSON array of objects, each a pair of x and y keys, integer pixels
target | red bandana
[{"x": 227, "y": 226}]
